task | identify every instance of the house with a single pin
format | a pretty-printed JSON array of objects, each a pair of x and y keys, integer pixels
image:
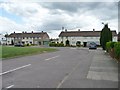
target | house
[
  {"x": 119, "y": 36},
  {"x": 2, "y": 39},
  {"x": 85, "y": 37},
  {"x": 36, "y": 38}
]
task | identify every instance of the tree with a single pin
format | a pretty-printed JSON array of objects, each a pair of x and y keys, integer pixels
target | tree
[
  {"x": 67, "y": 43},
  {"x": 12, "y": 42},
  {"x": 105, "y": 36}
]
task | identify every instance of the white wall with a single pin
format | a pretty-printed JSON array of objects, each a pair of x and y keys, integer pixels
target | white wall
[
  {"x": 73, "y": 40},
  {"x": 115, "y": 39},
  {"x": 9, "y": 40},
  {"x": 2, "y": 39}
]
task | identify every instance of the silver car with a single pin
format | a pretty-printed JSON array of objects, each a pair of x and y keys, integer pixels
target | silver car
[{"x": 92, "y": 45}]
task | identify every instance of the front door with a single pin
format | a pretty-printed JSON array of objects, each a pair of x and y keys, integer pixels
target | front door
[{"x": 84, "y": 44}]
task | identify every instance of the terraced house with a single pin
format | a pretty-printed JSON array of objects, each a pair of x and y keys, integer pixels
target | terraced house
[
  {"x": 85, "y": 37},
  {"x": 36, "y": 38}
]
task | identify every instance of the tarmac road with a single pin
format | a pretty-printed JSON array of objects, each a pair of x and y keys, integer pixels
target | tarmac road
[{"x": 66, "y": 68}]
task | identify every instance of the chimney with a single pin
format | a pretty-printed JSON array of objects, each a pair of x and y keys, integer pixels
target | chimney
[
  {"x": 93, "y": 30},
  {"x": 32, "y": 31},
  {"x": 22, "y": 31},
  {"x": 62, "y": 28},
  {"x": 65, "y": 30},
  {"x": 79, "y": 30},
  {"x": 14, "y": 31},
  {"x": 42, "y": 31}
]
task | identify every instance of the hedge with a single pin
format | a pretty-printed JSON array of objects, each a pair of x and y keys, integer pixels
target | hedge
[
  {"x": 113, "y": 48},
  {"x": 117, "y": 50},
  {"x": 56, "y": 44}
]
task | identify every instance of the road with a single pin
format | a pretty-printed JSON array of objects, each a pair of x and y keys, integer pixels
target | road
[{"x": 66, "y": 68}]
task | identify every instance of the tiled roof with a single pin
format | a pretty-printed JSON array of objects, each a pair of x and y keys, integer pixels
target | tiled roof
[
  {"x": 82, "y": 33},
  {"x": 39, "y": 34}
]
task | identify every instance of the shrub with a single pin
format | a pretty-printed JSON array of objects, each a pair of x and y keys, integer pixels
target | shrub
[
  {"x": 108, "y": 46},
  {"x": 60, "y": 44},
  {"x": 112, "y": 44},
  {"x": 52, "y": 44},
  {"x": 56, "y": 44},
  {"x": 117, "y": 50}
]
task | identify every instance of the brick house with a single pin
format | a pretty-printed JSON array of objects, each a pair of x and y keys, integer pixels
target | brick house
[{"x": 37, "y": 38}]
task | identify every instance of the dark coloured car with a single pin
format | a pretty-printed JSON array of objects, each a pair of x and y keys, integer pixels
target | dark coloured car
[
  {"x": 19, "y": 45},
  {"x": 92, "y": 45}
]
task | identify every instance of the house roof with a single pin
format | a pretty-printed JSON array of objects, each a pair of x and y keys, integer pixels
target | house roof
[
  {"x": 39, "y": 34},
  {"x": 82, "y": 33}
]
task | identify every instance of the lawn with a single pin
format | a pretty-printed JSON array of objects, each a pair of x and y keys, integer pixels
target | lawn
[{"x": 9, "y": 52}]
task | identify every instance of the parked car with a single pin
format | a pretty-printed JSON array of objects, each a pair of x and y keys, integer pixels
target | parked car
[
  {"x": 92, "y": 45},
  {"x": 19, "y": 45}
]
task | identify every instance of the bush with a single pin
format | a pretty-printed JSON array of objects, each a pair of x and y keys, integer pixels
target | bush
[
  {"x": 27, "y": 44},
  {"x": 117, "y": 50},
  {"x": 114, "y": 49},
  {"x": 52, "y": 44},
  {"x": 110, "y": 45},
  {"x": 56, "y": 44},
  {"x": 60, "y": 45}
]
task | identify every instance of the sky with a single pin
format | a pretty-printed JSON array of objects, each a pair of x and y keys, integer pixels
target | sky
[{"x": 37, "y": 16}]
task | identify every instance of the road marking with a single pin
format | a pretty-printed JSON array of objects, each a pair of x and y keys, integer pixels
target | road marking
[
  {"x": 51, "y": 58},
  {"x": 14, "y": 69},
  {"x": 66, "y": 77},
  {"x": 10, "y": 86}
]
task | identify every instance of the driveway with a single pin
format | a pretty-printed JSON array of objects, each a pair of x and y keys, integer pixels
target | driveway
[{"x": 66, "y": 68}]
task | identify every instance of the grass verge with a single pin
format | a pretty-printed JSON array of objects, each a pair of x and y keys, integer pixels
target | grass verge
[{"x": 10, "y": 52}]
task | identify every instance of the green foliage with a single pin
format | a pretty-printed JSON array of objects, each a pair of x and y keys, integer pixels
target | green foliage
[
  {"x": 110, "y": 45},
  {"x": 105, "y": 36},
  {"x": 117, "y": 50},
  {"x": 8, "y": 52},
  {"x": 27, "y": 45},
  {"x": 114, "y": 49},
  {"x": 53, "y": 44}
]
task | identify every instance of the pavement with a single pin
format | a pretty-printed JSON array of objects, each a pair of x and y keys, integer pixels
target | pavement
[{"x": 66, "y": 68}]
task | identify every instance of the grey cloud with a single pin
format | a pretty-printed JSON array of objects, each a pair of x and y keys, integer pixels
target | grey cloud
[{"x": 101, "y": 10}]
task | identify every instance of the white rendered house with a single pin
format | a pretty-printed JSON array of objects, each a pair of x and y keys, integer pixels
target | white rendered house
[{"x": 85, "y": 37}]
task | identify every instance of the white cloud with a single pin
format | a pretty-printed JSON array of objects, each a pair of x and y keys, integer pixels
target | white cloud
[{"x": 37, "y": 17}]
